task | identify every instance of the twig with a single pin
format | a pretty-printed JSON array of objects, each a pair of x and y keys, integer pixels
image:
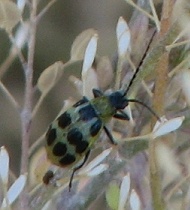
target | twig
[
  {"x": 176, "y": 187},
  {"x": 5, "y": 65},
  {"x": 46, "y": 8},
  {"x": 9, "y": 96},
  {"x": 37, "y": 106},
  {"x": 145, "y": 137},
  {"x": 181, "y": 66},
  {"x": 178, "y": 44},
  {"x": 156, "y": 20},
  {"x": 140, "y": 9},
  {"x": 15, "y": 51},
  {"x": 18, "y": 51}
]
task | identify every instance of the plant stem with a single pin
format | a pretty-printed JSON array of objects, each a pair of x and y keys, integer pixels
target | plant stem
[
  {"x": 158, "y": 104},
  {"x": 26, "y": 114}
]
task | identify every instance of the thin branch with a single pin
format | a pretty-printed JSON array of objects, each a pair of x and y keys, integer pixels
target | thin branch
[
  {"x": 176, "y": 187},
  {"x": 44, "y": 11},
  {"x": 171, "y": 46},
  {"x": 18, "y": 51},
  {"x": 181, "y": 66},
  {"x": 135, "y": 138},
  {"x": 9, "y": 96},
  {"x": 7, "y": 62},
  {"x": 140, "y": 9},
  {"x": 15, "y": 51},
  {"x": 156, "y": 20},
  {"x": 37, "y": 106}
]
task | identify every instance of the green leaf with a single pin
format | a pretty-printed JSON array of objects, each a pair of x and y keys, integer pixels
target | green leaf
[{"x": 112, "y": 196}]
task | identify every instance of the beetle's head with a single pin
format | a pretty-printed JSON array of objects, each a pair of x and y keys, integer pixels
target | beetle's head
[{"x": 118, "y": 100}]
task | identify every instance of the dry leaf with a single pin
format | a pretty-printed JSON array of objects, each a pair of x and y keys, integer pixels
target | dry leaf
[
  {"x": 79, "y": 45},
  {"x": 10, "y": 15},
  {"x": 50, "y": 76}
]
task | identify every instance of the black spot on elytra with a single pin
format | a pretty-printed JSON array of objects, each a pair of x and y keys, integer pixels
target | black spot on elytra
[
  {"x": 64, "y": 120},
  {"x": 67, "y": 160},
  {"x": 81, "y": 147},
  {"x": 74, "y": 136},
  {"x": 59, "y": 149},
  {"x": 95, "y": 128},
  {"x": 51, "y": 136},
  {"x": 87, "y": 113},
  {"x": 82, "y": 101}
]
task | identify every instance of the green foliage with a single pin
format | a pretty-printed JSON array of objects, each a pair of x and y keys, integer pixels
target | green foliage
[{"x": 112, "y": 195}]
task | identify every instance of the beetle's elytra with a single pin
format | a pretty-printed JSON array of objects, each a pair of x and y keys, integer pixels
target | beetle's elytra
[{"x": 72, "y": 134}]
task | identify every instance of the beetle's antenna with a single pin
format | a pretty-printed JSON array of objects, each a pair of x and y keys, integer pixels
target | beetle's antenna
[
  {"x": 143, "y": 104},
  {"x": 140, "y": 64}
]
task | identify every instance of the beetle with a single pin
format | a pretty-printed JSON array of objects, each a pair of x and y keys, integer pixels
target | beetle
[{"x": 72, "y": 134}]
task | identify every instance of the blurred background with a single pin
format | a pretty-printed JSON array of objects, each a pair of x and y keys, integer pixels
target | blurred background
[{"x": 56, "y": 31}]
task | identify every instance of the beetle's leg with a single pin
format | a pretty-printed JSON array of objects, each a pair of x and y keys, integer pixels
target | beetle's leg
[
  {"x": 108, "y": 133},
  {"x": 77, "y": 168},
  {"x": 82, "y": 101},
  {"x": 85, "y": 99},
  {"x": 121, "y": 116},
  {"x": 97, "y": 93}
]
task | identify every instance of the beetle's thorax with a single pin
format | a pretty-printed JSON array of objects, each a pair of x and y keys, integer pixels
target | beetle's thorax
[
  {"x": 103, "y": 108},
  {"x": 108, "y": 105}
]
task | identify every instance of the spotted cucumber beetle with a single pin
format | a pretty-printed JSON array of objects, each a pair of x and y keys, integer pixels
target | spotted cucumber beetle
[{"x": 71, "y": 136}]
